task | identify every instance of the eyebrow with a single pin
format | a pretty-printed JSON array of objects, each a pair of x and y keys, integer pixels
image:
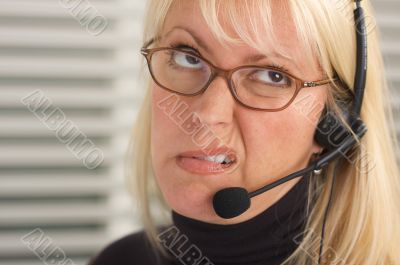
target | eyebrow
[
  {"x": 196, "y": 38},
  {"x": 249, "y": 59}
]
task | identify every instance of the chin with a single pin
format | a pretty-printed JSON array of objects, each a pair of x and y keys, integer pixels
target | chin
[{"x": 192, "y": 201}]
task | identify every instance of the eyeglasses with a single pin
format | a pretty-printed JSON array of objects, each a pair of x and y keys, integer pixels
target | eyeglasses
[{"x": 255, "y": 87}]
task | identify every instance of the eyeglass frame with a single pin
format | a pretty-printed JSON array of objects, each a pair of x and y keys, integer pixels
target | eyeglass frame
[{"x": 227, "y": 75}]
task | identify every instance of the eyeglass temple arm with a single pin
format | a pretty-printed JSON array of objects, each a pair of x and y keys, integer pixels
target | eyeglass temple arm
[
  {"x": 147, "y": 44},
  {"x": 324, "y": 82},
  {"x": 319, "y": 83}
]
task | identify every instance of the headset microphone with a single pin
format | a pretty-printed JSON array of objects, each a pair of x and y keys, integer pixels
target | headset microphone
[{"x": 331, "y": 134}]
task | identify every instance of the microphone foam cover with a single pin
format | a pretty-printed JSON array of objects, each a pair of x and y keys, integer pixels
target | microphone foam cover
[{"x": 231, "y": 202}]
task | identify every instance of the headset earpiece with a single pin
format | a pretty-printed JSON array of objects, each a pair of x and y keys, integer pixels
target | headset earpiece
[{"x": 331, "y": 132}]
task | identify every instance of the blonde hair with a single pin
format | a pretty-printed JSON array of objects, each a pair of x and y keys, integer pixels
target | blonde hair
[{"x": 363, "y": 226}]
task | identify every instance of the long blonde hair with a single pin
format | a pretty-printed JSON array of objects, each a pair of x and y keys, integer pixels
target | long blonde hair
[{"x": 363, "y": 226}]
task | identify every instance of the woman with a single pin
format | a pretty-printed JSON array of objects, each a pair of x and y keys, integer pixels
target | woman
[{"x": 237, "y": 90}]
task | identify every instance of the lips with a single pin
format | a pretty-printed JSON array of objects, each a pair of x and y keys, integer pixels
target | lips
[{"x": 206, "y": 162}]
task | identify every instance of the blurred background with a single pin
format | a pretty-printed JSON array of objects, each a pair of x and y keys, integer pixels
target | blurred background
[{"x": 69, "y": 92}]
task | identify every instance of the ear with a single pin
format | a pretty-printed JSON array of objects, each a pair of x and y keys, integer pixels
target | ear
[{"x": 316, "y": 149}]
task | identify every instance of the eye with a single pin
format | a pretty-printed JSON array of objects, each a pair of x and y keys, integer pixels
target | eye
[
  {"x": 186, "y": 60},
  {"x": 271, "y": 77}
]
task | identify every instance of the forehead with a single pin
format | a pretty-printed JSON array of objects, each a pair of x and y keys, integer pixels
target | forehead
[{"x": 230, "y": 24}]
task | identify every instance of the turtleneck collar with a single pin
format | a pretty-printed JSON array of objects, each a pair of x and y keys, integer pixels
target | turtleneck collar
[{"x": 267, "y": 238}]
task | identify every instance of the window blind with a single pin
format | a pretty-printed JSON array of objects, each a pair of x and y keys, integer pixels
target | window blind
[
  {"x": 389, "y": 22},
  {"x": 82, "y": 56}
]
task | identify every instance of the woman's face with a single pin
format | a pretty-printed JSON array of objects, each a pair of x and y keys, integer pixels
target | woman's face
[{"x": 267, "y": 145}]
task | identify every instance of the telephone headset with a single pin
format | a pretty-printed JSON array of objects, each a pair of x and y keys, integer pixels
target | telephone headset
[{"x": 331, "y": 134}]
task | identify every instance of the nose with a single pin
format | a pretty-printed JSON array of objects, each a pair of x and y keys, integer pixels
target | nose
[{"x": 216, "y": 105}]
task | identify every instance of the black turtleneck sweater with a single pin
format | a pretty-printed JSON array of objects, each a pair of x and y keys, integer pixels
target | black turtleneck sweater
[{"x": 267, "y": 239}]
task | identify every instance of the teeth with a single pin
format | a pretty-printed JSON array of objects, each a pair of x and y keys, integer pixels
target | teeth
[{"x": 218, "y": 159}]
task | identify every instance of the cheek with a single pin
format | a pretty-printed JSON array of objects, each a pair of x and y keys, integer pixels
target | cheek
[
  {"x": 162, "y": 124},
  {"x": 158, "y": 114},
  {"x": 277, "y": 133},
  {"x": 285, "y": 139},
  {"x": 301, "y": 118},
  {"x": 163, "y": 131}
]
